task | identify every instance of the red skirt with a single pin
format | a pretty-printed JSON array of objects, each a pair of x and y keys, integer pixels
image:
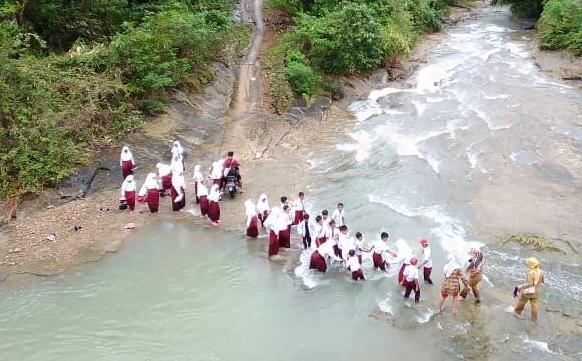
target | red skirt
[
  {"x": 298, "y": 217},
  {"x": 317, "y": 262},
  {"x": 285, "y": 238},
  {"x": 203, "y": 205},
  {"x": 176, "y": 206},
  {"x": 141, "y": 199},
  {"x": 273, "y": 244},
  {"x": 253, "y": 228},
  {"x": 130, "y": 200},
  {"x": 358, "y": 275},
  {"x": 214, "y": 211},
  {"x": 167, "y": 181},
  {"x": 401, "y": 274},
  {"x": 153, "y": 199},
  {"x": 378, "y": 261},
  {"x": 320, "y": 241},
  {"x": 218, "y": 182},
  {"x": 127, "y": 168}
]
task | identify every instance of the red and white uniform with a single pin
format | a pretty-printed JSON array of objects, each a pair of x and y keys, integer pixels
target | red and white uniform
[
  {"x": 353, "y": 264},
  {"x": 202, "y": 194},
  {"x": 165, "y": 173},
  {"x": 213, "y": 206},
  {"x": 338, "y": 217},
  {"x": 345, "y": 244},
  {"x": 128, "y": 191},
  {"x": 263, "y": 208},
  {"x": 216, "y": 172},
  {"x": 252, "y": 219},
  {"x": 126, "y": 162},
  {"x": 298, "y": 211},
  {"x": 320, "y": 255},
  {"x": 197, "y": 177},
  {"x": 178, "y": 192},
  {"x": 285, "y": 234},
  {"x": 152, "y": 193},
  {"x": 379, "y": 249}
]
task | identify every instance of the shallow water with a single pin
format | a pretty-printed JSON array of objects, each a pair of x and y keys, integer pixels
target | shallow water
[{"x": 480, "y": 144}]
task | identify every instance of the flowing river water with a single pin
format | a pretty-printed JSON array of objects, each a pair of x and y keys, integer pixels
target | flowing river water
[{"x": 478, "y": 144}]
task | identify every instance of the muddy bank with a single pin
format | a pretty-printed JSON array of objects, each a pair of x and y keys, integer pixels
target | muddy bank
[{"x": 559, "y": 64}]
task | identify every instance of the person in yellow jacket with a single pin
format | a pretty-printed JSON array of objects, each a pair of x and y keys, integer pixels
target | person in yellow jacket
[{"x": 530, "y": 290}]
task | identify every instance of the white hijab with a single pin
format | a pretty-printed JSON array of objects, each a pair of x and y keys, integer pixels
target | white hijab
[
  {"x": 177, "y": 149},
  {"x": 125, "y": 155},
  {"x": 214, "y": 195},
  {"x": 451, "y": 266},
  {"x": 144, "y": 187},
  {"x": 202, "y": 190},
  {"x": 276, "y": 221},
  {"x": 179, "y": 185},
  {"x": 151, "y": 182},
  {"x": 263, "y": 204},
  {"x": 198, "y": 177},
  {"x": 177, "y": 165},
  {"x": 128, "y": 185},
  {"x": 163, "y": 169},
  {"x": 216, "y": 172},
  {"x": 250, "y": 210}
]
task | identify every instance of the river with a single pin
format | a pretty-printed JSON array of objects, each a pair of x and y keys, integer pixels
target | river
[{"x": 476, "y": 145}]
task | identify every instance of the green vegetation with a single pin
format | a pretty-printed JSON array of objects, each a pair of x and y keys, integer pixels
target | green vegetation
[
  {"x": 533, "y": 241},
  {"x": 329, "y": 38},
  {"x": 560, "y": 23},
  {"x": 561, "y": 26},
  {"x": 75, "y": 74}
]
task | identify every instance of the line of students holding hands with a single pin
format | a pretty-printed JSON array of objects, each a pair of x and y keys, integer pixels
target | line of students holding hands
[{"x": 329, "y": 240}]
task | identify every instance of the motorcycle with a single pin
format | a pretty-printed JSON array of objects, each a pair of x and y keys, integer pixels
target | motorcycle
[{"x": 232, "y": 186}]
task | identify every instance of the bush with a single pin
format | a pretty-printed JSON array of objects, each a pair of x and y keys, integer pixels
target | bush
[
  {"x": 300, "y": 75},
  {"x": 561, "y": 26}
]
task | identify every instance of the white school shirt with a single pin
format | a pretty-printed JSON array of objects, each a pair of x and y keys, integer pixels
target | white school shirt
[
  {"x": 359, "y": 244},
  {"x": 338, "y": 217},
  {"x": 353, "y": 264},
  {"x": 301, "y": 229},
  {"x": 216, "y": 172},
  {"x": 380, "y": 247},
  {"x": 427, "y": 256},
  {"x": 345, "y": 243},
  {"x": 164, "y": 170},
  {"x": 326, "y": 250},
  {"x": 326, "y": 221},
  {"x": 331, "y": 235},
  {"x": 411, "y": 273},
  {"x": 298, "y": 205}
]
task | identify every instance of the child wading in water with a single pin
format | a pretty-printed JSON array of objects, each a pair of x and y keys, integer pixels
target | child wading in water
[
  {"x": 410, "y": 280},
  {"x": 353, "y": 264}
]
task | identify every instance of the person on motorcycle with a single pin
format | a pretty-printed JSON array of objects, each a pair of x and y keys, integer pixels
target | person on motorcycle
[{"x": 230, "y": 164}]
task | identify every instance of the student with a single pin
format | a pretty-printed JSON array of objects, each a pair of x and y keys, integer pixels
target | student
[
  {"x": 285, "y": 233},
  {"x": 306, "y": 230},
  {"x": 410, "y": 281},
  {"x": 197, "y": 177},
  {"x": 529, "y": 291},
  {"x": 339, "y": 215},
  {"x": 263, "y": 208},
  {"x": 178, "y": 192},
  {"x": 216, "y": 173},
  {"x": 299, "y": 207},
  {"x": 325, "y": 217},
  {"x": 319, "y": 231},
  {"x": 275, "y": 222},
  {"x": 202, "y": 193},
  {"x": 354, "y": 265},
  {"x": 178, "y": 151},
  {"x": 426, "y": 264},
  {"x": 332, "y": 236},
  {"x": 453, "y": 276},
  {"x": 320, "y": 255},
  {"x": 345, "y": 243},
  {"x": 128, "y": 192},
  {"x": 126, "y": 161},
  {"x": 165, "y": 173},
  {"x": 152, "y": 193},
  {"x": 405, "y": 263},
  {"x": 213, "y": 206},
  {"x": 474, "y": 272},
  {"x": 283, "y": 202},
  {"x": 379, "y": 248},
  {"x": 252, "y": 219},
  {"x": 359, "y": 244},
  {"x": 177, "y": 165}
]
